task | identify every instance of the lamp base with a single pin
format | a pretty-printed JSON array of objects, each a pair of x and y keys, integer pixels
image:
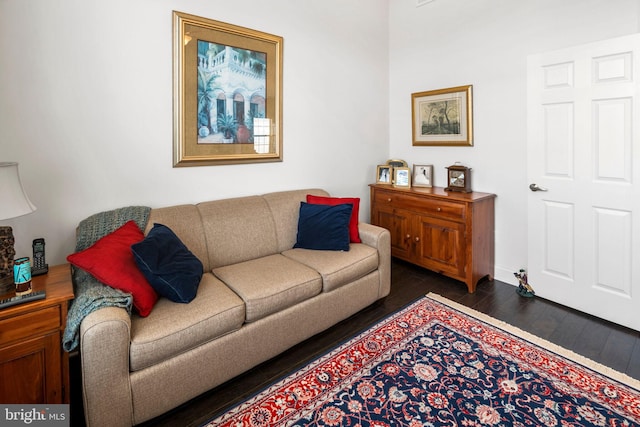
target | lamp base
[{"x": 7, "y": 252}]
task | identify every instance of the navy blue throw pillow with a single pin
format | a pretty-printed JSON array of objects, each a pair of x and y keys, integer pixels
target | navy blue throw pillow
[
  {"x": 324, "y": 227},
  {"x": 171, "y": 269}
]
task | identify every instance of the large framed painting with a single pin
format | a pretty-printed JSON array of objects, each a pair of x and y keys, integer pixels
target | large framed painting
[
  {"x": 443, "y": 116},
  {"x": 227, "y": 93}
]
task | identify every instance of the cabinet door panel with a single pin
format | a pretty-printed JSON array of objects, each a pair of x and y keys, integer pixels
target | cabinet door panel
[
  {"x": 30, "y": 371},
  {"x": 441, "y": 246},
  {"x": 398, "y": 223}
]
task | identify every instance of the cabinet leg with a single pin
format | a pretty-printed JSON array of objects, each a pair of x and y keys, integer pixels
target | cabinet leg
[{"x": 471, "y": 286}]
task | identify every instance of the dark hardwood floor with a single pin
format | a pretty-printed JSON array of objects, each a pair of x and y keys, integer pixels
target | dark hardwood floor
[{"x": 604, "y": 342}]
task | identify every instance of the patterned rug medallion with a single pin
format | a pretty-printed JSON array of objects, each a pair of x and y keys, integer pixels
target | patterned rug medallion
[{"x": 437, "y": 363}]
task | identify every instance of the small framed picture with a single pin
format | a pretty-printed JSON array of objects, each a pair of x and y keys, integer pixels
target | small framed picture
[
  {"x": 402, "y": 177},
  {"x": 423, "y": 175},
  {"x": 397, "y": 163},
  {"x": 384, "y": 174}
]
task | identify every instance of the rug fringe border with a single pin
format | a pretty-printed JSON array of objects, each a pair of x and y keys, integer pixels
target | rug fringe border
[{"x": 541, "y": 342}]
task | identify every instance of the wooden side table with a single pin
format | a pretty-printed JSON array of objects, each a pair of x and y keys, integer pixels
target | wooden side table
[
  {"x": 447, "y": 232},
  {"x": 33, "y": 366}
]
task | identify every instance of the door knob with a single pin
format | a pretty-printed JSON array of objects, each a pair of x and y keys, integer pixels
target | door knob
[{"x": 535, "y": 187}]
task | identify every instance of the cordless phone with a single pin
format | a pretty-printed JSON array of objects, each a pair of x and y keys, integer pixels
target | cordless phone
[{"x": 40, "y": 266}]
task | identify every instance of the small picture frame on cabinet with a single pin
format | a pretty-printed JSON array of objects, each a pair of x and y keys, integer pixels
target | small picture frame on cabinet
[
  {"x": 384, "y": 174},
  {"x": 402, "y": 177},
  {"x": 423, "y": 175},
  {"x": 397, "y": 163}
]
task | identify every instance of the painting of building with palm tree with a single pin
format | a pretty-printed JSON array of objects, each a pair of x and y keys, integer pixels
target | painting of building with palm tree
[{"x": 231, "y": 93}]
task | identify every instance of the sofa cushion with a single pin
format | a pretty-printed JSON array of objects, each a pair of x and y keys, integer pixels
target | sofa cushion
[
  {"x": 338, "y": 268},
  {"x": 111, "y": 262},
  {"x": 285, "y": 210},
  {"x": 354, "y": 235},
  {"x": 324, "y": 227},
  {"x": 169, "y": 266},
  {"x": 270, "y": 284},
  {"x": 186, "y": 223},
  {"x": 172, "y": 329},
  {"x": 238, "y": 230}
]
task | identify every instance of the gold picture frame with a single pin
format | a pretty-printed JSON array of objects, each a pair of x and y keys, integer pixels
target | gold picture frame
[
  {"x": 384, "y": 174},
  {"x": 227, "y": 93},
  {"x": 443, "y": 117},
  {"x": 397, "y": 163},
  {"x": 402, "y": 177}
]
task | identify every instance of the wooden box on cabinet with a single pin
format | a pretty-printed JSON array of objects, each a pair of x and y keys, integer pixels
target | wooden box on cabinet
[
  {"x": 33, "y": 366},
  {"x": 450, "y": 233}
]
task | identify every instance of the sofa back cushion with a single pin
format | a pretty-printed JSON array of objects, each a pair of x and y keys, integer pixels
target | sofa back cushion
[
  {"x": 238, "y": 229},
  {"x": 229, "y": 231},
  {"x": 245, "y": 228},
  {"x": 285, "y": 208},
  {"x": 185, "y": 222}
]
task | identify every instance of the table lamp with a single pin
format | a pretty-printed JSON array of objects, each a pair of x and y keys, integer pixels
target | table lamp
[{"x": 13, "y": 203}]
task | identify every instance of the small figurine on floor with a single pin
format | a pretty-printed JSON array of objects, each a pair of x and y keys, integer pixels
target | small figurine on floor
[{"x": 524, "y": 288}]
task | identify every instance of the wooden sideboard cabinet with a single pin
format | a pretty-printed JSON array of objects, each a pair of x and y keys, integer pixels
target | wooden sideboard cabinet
[
  {"x": 33, "y": 366},
  {"x": 447, "y": 232}
]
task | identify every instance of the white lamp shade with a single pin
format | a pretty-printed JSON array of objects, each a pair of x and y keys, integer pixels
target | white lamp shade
[{"x": 13, "y": 200}]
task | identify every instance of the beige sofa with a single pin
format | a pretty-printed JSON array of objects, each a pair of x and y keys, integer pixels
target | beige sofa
[{"x": 135, "y": 368}]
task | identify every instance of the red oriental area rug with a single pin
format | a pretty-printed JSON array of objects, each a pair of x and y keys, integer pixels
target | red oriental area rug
[{"x": 437, "y": 363}]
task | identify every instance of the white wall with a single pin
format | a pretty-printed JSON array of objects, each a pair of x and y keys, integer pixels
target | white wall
[
  {"x": 86, "y": 105},
  {"x": 485, "y": 43},
  {"x": 86, "y": 99}
]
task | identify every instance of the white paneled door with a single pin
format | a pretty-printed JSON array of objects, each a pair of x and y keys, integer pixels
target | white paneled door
[{"x": 583, "y": 164}]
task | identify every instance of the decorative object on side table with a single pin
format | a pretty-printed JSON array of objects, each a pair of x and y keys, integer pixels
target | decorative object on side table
[
  {"x": 524, "y": 288},
  {"x": 401, "y": 177},
  {"x": 393, "y": 165},
  {"x": 13, "y": 203},
  {"x": 458, "y": 178},
  {"x": 397, "y": 163},
  {"x": 423, "y": 175},
  {"x": 22, "y": 275},
  {"x": 384, "y": 174}
]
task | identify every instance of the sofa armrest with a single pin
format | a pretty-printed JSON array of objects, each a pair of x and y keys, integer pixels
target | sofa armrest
[
  {"x": 379, "y": 238},
  {"x": 105, "y": 337}
]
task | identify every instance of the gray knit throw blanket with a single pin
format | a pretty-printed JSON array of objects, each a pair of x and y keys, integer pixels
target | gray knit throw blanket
[{"x": 90, "y": 294}]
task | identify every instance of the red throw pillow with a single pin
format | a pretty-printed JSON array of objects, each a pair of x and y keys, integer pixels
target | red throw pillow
[
  {"x": 354, "y": 235},
  {"x": 111, "y": 261}
]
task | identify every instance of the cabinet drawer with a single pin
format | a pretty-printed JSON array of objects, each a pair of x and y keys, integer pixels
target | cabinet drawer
[
  {"x": 28, "y": 324},
  {"x": 428, "y": 206}
]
